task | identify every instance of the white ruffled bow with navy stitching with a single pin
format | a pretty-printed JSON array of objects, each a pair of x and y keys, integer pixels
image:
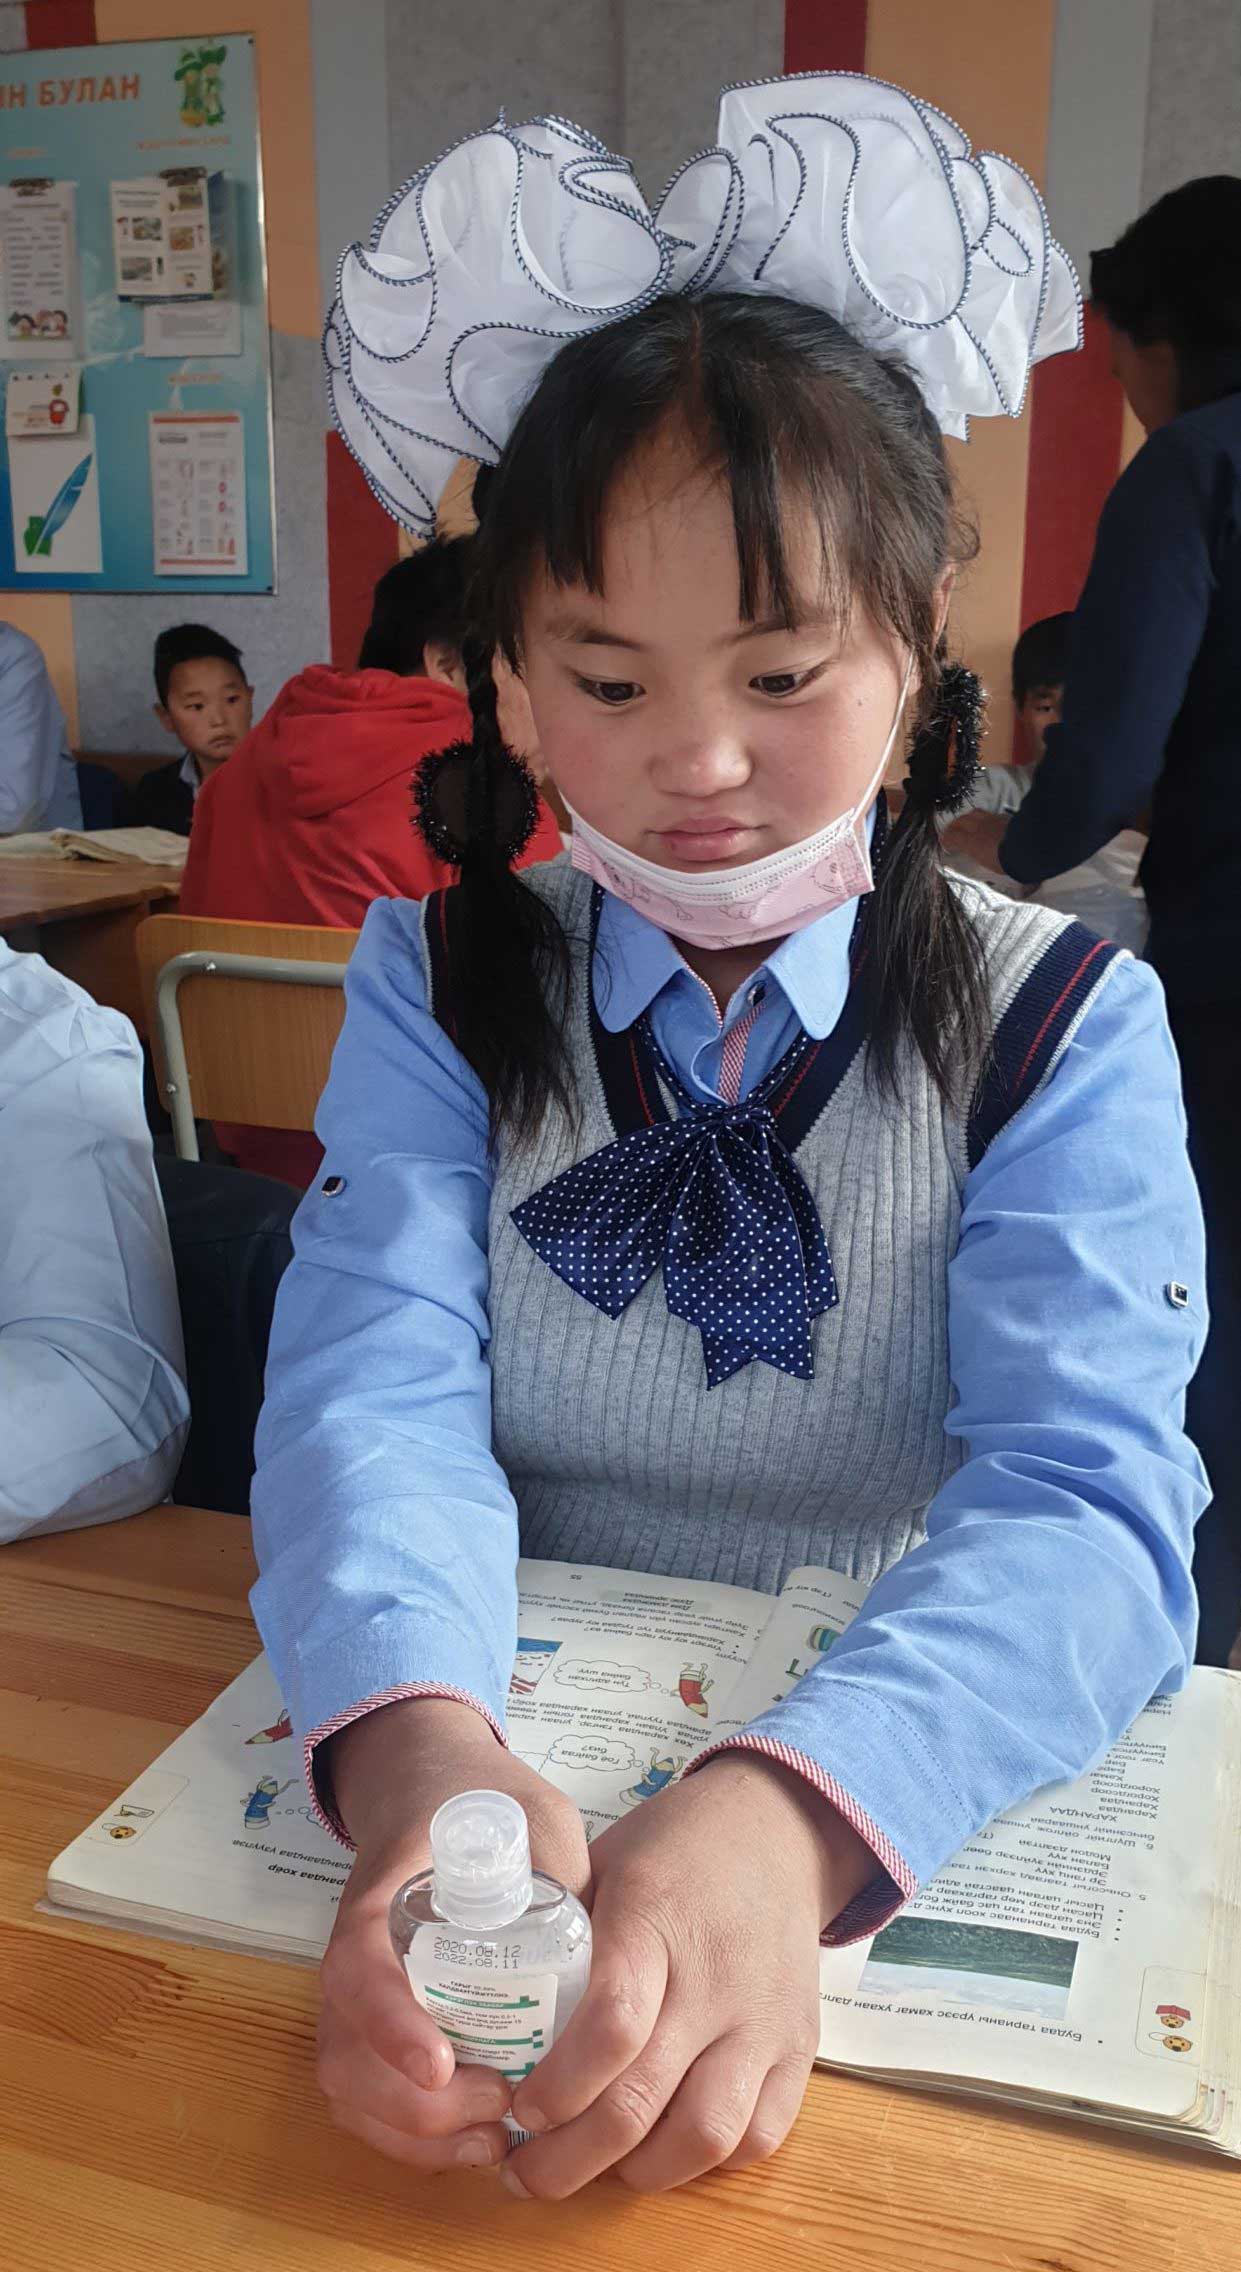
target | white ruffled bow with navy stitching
[{"x": 832, "y": 188}]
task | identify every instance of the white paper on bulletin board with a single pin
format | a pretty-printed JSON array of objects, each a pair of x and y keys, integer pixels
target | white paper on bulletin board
[
  {"x": 198, "y": 494},
  {"x": 43, "y": 402},
  {"x": 198, "y": 327},
  {"x": 54, "y": 488},
  {"x": 38, "y": 268}
]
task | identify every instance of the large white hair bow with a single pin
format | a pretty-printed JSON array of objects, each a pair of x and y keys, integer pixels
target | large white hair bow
[{"x": 833, "y": 189}]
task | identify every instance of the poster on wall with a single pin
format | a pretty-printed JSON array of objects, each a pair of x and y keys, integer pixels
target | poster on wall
[
  {"x": 168, "y": 235},
  {"x": 43, "y": 402},
  {"x": 131, "y": 208},
  {"x": 38, "y": 268},
  {"x": 54, "y": 501},
  {"x": 198, "y": 481}
]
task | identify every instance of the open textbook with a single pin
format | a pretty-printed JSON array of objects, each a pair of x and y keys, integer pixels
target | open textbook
[
  {"x": 1080, "y": 1954},
  {"x": 115, "y": 847}
]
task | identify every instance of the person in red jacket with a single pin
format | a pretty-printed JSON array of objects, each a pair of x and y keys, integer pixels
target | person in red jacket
[{"x": 311, "y": 819}]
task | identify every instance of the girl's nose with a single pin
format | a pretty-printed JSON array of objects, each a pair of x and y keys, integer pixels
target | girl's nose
[{"x": 702, "y": 763}]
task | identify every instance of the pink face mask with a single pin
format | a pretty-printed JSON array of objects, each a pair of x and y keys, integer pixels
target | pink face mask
[{"x": 730, "y": 907}]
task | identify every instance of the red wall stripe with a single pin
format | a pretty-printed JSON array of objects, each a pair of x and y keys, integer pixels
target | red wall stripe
[
  {"x": 362, "y": 541},
  {"x": 825, "y": 35},
  {"x": 60, "y": 23},
  {"x": 1076, "y": 419}
]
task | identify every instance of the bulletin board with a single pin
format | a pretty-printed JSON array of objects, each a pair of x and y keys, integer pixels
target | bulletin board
[{"x": 136, "y": 439}]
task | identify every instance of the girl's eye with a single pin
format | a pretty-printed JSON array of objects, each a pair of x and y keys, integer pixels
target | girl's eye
[
  {"x": 779, "y": 683},
  {"x": 614, "y": 693}
]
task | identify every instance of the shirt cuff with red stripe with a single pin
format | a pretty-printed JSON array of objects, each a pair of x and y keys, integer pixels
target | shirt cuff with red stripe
[
  {"x": 318, "y": 1778},
  {"x": 893, "y": 1883}
]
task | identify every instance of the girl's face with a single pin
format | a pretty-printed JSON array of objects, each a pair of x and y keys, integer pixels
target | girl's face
[{"x": 685, "y": 734}]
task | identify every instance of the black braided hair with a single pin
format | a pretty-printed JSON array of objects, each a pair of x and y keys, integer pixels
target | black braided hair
[
  {"x": 512, "y": 965},
  {"x": 923, "y": 950}
]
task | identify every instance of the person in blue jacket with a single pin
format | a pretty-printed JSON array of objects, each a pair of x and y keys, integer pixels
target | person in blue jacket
[
  {"x": 741, "y": 1193},
  {"x": 1151, "y": 733}
]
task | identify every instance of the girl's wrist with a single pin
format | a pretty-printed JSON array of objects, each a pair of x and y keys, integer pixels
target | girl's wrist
[
  {"x": 831, "y": 1848},
  {"x": 378, "y": 1768}
]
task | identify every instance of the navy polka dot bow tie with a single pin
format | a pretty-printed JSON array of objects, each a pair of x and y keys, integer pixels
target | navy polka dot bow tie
[{"x": 716, "y": 1198}]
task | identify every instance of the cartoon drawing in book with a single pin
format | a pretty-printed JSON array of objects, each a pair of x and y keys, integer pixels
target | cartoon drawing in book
[
  {"x": 1173, "y": 2016},
  {"x": 692, "y": 1688},
  {"x": 658, "y": 1775},
  {"x": 276, "y": 1733},
  {"x": 529, "y": 1665},
  {"x": 821, "y": 1637},
  {"x": 261, "y": 1801}
]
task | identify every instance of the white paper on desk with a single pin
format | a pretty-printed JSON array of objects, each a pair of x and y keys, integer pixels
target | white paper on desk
[
  {"x": 47, "y": 401},
  {"x": 199, "y": 327},
  {"x": 54, "y": 494},
  {"x": 38, "y": 269}
]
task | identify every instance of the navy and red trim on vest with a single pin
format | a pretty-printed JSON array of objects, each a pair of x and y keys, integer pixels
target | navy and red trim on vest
[{"x": 1032, "y": 1030}]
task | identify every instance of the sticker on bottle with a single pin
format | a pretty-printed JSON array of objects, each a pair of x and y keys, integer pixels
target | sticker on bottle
[{"x": 492, "y": 2018}]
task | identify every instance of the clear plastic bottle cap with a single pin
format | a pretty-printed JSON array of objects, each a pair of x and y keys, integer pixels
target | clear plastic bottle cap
[{"x": 480, "y": 1857}]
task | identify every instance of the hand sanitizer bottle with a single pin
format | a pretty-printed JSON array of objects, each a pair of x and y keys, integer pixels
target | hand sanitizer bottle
[{"x": 498, "y": 1954}]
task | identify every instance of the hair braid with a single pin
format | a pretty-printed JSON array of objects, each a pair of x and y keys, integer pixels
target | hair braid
[
  {"x": 513, "y": 969},
  {"x": 923, "y": 948}
]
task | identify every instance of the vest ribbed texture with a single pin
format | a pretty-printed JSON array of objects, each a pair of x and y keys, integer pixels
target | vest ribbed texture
[{"x": 616, "y": 1452}]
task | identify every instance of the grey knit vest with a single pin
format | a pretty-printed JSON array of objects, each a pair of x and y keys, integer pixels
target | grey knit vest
[{"x": 615, "y": 1450}]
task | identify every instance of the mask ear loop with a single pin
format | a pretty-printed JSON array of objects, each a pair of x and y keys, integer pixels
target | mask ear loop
[{"x": 882, "y": 767}]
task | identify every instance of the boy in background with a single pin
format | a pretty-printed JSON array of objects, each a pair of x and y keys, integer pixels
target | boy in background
[
  {"x": 1103, "y": 892},
  {"x": 206, "y": 703}
]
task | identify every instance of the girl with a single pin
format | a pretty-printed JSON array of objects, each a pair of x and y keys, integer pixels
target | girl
[{"x": 698, "y": 1207}]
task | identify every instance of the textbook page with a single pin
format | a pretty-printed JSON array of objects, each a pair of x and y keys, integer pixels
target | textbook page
[
  {"x": 157, "y": 847},
  {"x": 809, "y": 1614},
  {"x": 1066, "y": 1949},
  {"x": 613, "y": 1687},
  {"x": 621, "y": 1677},
  {"x": 218, "y": 1838}
]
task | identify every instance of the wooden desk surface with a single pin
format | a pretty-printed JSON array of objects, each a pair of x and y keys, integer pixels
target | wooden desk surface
[
  {"x": 160, "y": 2110},
  {"x": 53, "y": 890}
]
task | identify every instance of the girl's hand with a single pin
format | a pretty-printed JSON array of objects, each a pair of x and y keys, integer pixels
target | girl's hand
[
  {"x": 387, "y": 2072},
  {"x": 691, "y": 2048}
]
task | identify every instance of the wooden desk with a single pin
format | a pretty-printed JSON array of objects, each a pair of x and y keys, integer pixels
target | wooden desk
[
  {"x": 82, "y": 915},
  {"x": 160, "y": 2108}
]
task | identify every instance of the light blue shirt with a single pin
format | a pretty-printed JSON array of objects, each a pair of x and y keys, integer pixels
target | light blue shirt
[
  {"x": 93, "y": 1408},
  {"x": 38, "y": 779},
  {"x": 1053, "y": 1595}
]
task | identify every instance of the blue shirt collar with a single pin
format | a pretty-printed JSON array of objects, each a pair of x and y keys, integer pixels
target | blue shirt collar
[{"x": 635, "y": 961}]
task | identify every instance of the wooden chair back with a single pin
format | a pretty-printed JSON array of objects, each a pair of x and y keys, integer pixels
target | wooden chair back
[{"x": 257, "y": 1051}]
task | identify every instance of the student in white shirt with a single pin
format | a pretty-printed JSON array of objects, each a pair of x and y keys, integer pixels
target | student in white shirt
[
  {"x": 93, "y": 1407},
  {"x": 38, "y": 780},
  {"x": 1102, "y": 892}
]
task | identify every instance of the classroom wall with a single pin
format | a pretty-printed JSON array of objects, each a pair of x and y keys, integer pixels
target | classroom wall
[{"x": 1107, "y": 103}]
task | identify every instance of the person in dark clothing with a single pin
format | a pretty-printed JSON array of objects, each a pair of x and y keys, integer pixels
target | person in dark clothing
[
  {"x": 1152, "y": 725},
  {"x": 206, "y": 703}
]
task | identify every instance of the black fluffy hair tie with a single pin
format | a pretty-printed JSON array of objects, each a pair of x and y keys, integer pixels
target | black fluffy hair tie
[
  {"x": 944, "y": 763},
  {"x": 442, "y": 785}
]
